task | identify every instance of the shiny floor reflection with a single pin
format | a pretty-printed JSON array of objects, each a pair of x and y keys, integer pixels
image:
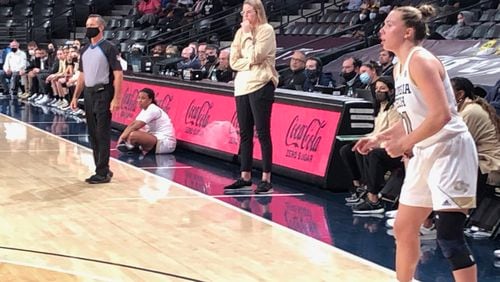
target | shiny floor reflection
[{"x": 311, "y": 211}]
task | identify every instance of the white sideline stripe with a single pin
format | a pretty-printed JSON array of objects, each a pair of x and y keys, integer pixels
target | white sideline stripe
[
  {"x": 213, "y": 196},
  {"x": 227, "y": 205},
  {"x": 164, "y": 167}
]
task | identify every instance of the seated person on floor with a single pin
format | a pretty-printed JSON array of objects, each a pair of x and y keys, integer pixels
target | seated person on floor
[
  {"x": 152, "y": 130},
  {"x": 371, "y": 169},
  {"x": 484, "y": 126}
]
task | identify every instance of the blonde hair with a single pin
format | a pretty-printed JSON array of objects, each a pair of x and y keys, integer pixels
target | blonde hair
[
  {"x": 259, "y": 9},
  {"x": 416, "y": 18}
]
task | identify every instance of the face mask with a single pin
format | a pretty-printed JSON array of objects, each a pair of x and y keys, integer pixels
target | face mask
[
  {"x": 31, "y": 52},
  {"x": 348, "y": 75},
  {"x": 50, "y": 51},
  {"x": 92, "y": 32},
  {"x": 362, "y": 17},
  {"x": 373, "y": 16},
  {"x": 75, "y": 60},
  {"x": 460, "y": 22},
  {"x": 381, "y": 96},
  {"x": 211, "y": 58},
  {"x": 13, "y": 50},
  {"x": 365, "y": 78},
  {"x": 311, "y": 74}
]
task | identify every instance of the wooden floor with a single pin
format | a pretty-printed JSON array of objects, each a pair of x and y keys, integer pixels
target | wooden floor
[{"x": 139, "y": 227}]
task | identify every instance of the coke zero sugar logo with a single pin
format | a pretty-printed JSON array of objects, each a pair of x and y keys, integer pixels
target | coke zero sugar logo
[
  {"x": 198, "y": 114},
  {"x": 234, "y": 122},
  {"x": 165, "y": 102},
  {"x": 305, "y": 136},
  {"x": 129, "y": 101}
]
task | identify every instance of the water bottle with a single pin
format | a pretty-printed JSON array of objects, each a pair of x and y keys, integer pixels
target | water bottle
[
  {"x": 350, "y": 93},
  {"x": 214, "y": 75}
]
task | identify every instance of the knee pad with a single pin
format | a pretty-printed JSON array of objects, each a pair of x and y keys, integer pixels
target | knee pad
[{"x": 451, "y": 240}]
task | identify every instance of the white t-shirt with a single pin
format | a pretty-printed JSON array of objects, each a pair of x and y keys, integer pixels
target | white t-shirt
[{"x": 157, "y": 122}]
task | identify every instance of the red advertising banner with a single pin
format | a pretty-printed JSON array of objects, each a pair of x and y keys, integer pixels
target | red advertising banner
[{"x": 302, "y": 137}]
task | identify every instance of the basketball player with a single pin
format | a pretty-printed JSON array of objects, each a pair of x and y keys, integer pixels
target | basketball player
[{"x": 441, "y": 150}]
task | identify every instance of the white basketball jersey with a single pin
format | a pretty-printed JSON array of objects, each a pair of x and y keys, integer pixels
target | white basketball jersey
[{"x": 411, "y": 105}]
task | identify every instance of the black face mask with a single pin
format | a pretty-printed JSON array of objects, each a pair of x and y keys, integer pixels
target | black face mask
[
  {"x": 13, "y": 50},
  {"x": 92, "y": 32},
  {"x": 348, "y": 75},
  {"x": 211, "y": 58},
  {"x": 50, "y": 51},
  {"x": 75, "y": 60},
  {"x": 381, "y": 96}
]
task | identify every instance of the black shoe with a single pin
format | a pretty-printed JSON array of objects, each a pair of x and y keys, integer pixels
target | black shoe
[
  {"x": 239, "y": 185},
  {"x": 368, "y": 207},
  {"x": 128, "y": 149},
  {"x": 264, "y": 187},
  {"x": 96, "y": 178}
]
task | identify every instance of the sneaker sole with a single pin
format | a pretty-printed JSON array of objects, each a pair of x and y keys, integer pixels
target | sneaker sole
[
  {"x": 100, "y": 182},
  {"x": 237, "y": 190},
  {"x": 377, "y": 211},
  {"x": 264, "y": 192}
]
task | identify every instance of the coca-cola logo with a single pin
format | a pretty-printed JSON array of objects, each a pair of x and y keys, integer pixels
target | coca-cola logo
[
  {"x": 165, "y": 102},
  {"x": 129, "y": 101},
  {"x": 305, "y": 136},
  {"x": 198, "y": 114}
]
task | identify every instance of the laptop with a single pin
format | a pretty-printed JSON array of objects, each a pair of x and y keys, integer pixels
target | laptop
[{"x": 365, "y": 94}]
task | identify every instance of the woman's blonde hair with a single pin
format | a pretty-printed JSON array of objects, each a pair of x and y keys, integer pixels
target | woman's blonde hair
[
  {"x": 417, "y": 18},
  {"x": 259, "y": 9}
]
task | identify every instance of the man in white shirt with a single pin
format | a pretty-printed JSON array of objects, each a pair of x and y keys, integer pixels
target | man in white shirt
[{"x": 14, "y": 67}]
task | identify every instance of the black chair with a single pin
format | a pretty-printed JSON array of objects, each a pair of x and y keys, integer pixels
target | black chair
[
  {"x": 122, "y": 35},
  {"x": 488, "y": 15},
  {"x": 24, "y": 13},
  {"x": 442, "y": 28},
  {"x": 114, "y": 23},
  {"x": 6, "y": 12},
  {"x": 151, "y": 33},
  {"x": 480, "y": 30},
  {"x": 25, "y": 3},
  {"x": 321, "y": 29},
  {"x": 497, "y": 17},
  {"x": 137, "y": 35},
  {"x": 127, "y": 23},
  {"x": 45, "y": 12},
  {"x": 493, "y": 32},
  {"x": 109, "y": 34}
]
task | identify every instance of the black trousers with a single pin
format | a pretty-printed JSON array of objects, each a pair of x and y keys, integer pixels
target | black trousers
[
  {"x": 255, "y": 109},
  {"x": 98, "y": 117},
  {"x": 379, "y": 162},
  {"x": 355, "y": 164}
]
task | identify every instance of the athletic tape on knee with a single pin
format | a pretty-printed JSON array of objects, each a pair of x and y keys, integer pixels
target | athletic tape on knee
[{"x": 450, "y": 237}]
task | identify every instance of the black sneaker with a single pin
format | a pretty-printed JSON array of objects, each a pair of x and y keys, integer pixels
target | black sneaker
[
  {"x": 240, "y": 185},
  {"x": 368, "y": 207},
  {"x": 127, "y": 148},
  {"x": 264, "y": 187},
  {"x": 97, "y": 179}
]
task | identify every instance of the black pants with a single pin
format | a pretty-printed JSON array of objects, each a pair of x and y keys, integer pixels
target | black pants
[
  {"x": 98, "y": 118},
  {"x": 355, "y": 163},
  {"x": 255, "y": 109},
  {"x": 379, "y": 162}
]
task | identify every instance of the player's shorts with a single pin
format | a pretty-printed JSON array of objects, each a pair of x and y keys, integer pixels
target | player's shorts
[
  {"x": 443, "y": 175},
  {"x": 165, "y": 145}
]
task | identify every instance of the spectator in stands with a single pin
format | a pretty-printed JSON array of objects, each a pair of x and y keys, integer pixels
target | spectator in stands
[
  {"x": 151, "y": 131},
  {"x": 253, "y": 56},
  {"x": 224, "y": 71},
  {"x": 377, "y": 161},
  {"x": 385, "y": 59},
  {"x": 189, "y": 60},
  {"x": 209, "y": 70},
  {"x": 205, "y": 8},
  {"x": 171, "y": 51},
  {"x": 52, "y": 54},
  {"x": 123, "y": 62},
  {"x": 371, "y": 26},
  {"x": 462, "y": 29},
  {"x": 14, "y": 67},
  {"x": 315, "y": 76},
  {"x": 202, "y": 56},
  {"x": 354, "y": 5},
  {"x": 77, "y": 44},
  {"x": 194, "y": 45},
  {"x": 350, "y": 73},
  {"x": 158, "y": 50},
  {"x": 31, "y": 47},
  {"x": 484, "y": 125},
  {"x": 294, "y": 78},
  {"x": 148, "y": 12}
]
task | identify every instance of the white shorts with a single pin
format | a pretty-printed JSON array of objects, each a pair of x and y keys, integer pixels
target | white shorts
[
  {"x": 165, "y": 145},
  {"x": 443, "y": 175}
]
